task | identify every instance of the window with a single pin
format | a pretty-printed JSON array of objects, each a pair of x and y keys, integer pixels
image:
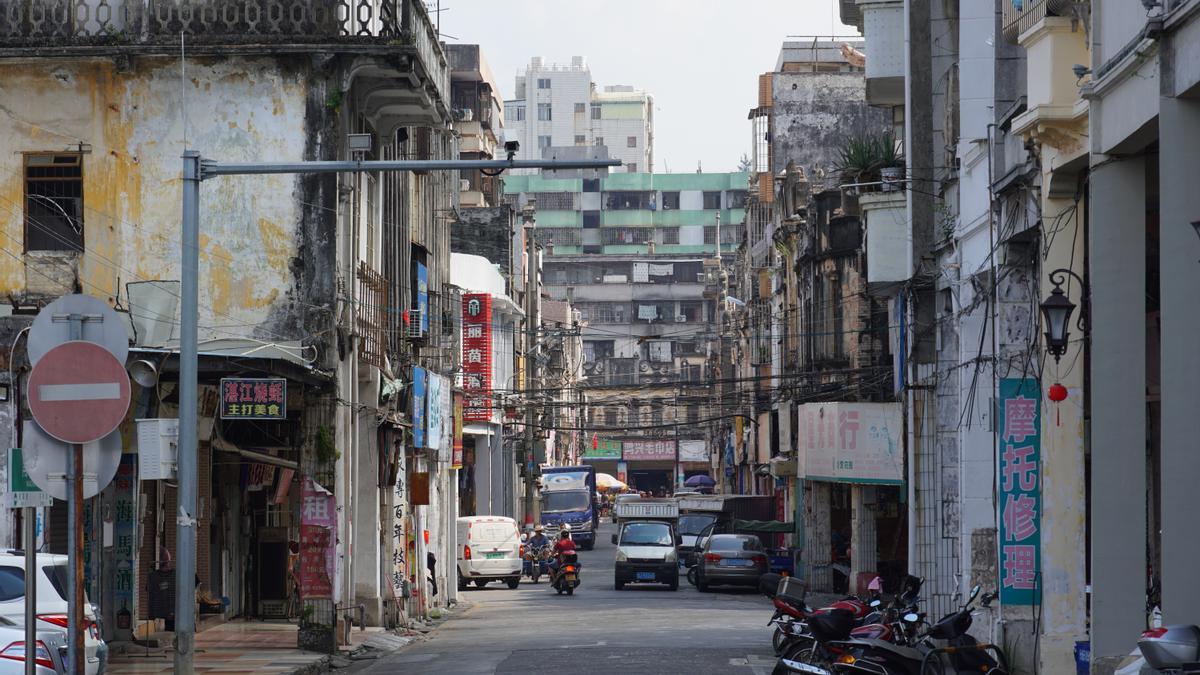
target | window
[
  {"x": 561, "y": 236},
  {"x": 518, "y": 113},
  {"x": 623, "y": 200},
  {"x": 595, "y": 111},
  {"x": 543, "y": 141},
  {"x": 656, "y": 415},
  {"x": 12, "y": 583},
  {"x": 543, "y": 83},
  {"x": 712, "y": 200},
  {"x": 670, "y": 235},
  {"x": 53, "y": 202},
  {"x": 632, "y": 166},
  {"x": 622, "y": 371},
  {"x": 601, "y": 349},
  {"x": 689, "y": 372},
  {"x": 599, "y": 140},
  {"x": 670, "y": 200},
  {"x": 544, "y": 114},
  {"x": 610, "y": 417},
  {"x": 692, "y": 310},
  {"x": 693, "y": 413},
  {"x": 580, "y": 108},
  {"x": 627, "y": 235},
  {"x": 631, "y": 142},
  {"x": 554, "y": 201},
  {"x": 591, "y": 219},
  {"x": 580, "y": 139},
  {"x": 736, "y": 199}
]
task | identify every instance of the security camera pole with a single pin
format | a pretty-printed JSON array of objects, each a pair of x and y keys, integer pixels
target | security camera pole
[{"x": 195, "y": 171}]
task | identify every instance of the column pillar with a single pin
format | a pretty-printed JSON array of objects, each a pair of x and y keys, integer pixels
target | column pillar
[
  {"x": 817, "y": 574},
  {"x": 1118, "y": 399},
  {"x": 864, "y": 550},
  {"x": 1179, "y": 259}
]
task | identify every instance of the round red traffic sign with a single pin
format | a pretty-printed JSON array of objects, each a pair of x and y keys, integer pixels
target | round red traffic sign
[{"x": 78, "y": 392}]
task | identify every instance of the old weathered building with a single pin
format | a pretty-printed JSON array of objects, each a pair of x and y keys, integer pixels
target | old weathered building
[{"x": 334, "y": 284}]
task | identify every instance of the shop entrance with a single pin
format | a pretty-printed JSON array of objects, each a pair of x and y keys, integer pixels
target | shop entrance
[{"x": 654, "y": 481}]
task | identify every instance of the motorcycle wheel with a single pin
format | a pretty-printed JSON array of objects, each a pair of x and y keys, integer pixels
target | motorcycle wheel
[
  {"x": 779, "y": 641},
  {"x": 570, "y": 590},
  {"x": 802, "y": 652}
]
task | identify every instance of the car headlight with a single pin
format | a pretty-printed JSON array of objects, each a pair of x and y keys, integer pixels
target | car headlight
[
  {"x": 621, "y": 557},
  {"x": 671, "y": 557}
]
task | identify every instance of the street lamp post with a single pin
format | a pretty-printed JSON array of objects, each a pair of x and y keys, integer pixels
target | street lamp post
[{"x": 1057, "y": 310}]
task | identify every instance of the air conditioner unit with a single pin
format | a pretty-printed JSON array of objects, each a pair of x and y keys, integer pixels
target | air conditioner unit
[
  {"x": 412, "y": 324},
  {"x": 701, "y": 277},
  {"x": 158, "y": 448},
  {"x": 464, "y": 185},
  {"x": 599, "y": 367},
  {"x": 679, "y": 318}
]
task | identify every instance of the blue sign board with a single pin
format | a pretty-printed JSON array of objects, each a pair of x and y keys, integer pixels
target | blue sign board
[
  {"x": 423, "y": 297},
  {"x": 418, "y": 407}
]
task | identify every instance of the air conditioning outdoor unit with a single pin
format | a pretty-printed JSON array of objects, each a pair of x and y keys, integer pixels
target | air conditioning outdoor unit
[
  {"x": 464, "y": 185},
  {"x": 158, "y": 448},
  {"x": 679, "y": 318},
  {"x": 412, "y": 324}
]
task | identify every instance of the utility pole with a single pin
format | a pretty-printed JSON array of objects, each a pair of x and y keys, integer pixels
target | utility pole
[
  {"x": 531, "y": 363},
  {"x": 196, "y": 170}
]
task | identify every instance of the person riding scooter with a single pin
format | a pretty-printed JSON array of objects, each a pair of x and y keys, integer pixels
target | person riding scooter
[
  {"x": 539, "y": 538},
  {"x": 563, "y": 546}
]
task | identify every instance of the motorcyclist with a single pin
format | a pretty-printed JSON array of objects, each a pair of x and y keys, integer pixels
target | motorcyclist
[
  {"x": 563, "y": 546},
  {"x": 539, "y": 538}
]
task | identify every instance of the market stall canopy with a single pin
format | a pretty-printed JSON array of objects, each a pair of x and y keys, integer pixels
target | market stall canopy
[{"x": 605, "y": 481}]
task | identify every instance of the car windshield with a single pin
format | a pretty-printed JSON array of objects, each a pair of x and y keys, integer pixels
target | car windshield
[
  {"x": 647, "y": 534},
  {"x": 565, "y": 501},
  {"x": 694, "y": 524}
]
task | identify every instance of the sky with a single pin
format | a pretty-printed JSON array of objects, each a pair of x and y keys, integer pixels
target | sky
[{"x": 700, "y": 59}]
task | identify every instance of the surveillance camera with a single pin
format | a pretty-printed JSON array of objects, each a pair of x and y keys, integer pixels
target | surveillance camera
[
  {"x": 512, "y": 146},
  {"x": 1080, "y": 71}
]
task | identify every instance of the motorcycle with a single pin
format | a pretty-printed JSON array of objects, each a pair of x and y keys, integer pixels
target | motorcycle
[
  {"x": 1172, "y": 650},
  {"x": 565, "y": 579},
  {"x": 945, "y": 647},
  {"x": 536, "y": 561}
]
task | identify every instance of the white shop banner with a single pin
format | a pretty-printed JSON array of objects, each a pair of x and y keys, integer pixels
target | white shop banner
[
  {"x": 693, "y": 451},
  {"x": 851, "y": 442}
]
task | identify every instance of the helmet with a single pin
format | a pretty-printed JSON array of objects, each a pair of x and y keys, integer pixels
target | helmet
[{"x": 538, "y": 528}]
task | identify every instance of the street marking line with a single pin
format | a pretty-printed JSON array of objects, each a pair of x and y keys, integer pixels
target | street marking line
[{"x": 100, "y": 391}]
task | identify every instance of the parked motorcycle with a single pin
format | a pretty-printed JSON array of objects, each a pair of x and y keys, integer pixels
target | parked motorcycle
[
  {"x": 945, "y": 647},
  {"x": 1172, "y": 650},
  {"x": 566, "y": 578}
]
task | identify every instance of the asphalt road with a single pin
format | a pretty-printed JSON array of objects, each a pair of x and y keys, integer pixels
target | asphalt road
[{"x": 642, "y": 629}]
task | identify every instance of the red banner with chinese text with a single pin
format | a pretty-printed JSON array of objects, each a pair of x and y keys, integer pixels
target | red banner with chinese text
[{"x": 477, "y": 357}]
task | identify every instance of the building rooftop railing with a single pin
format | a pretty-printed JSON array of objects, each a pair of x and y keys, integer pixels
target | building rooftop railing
[{"x": 65, "y": 27}]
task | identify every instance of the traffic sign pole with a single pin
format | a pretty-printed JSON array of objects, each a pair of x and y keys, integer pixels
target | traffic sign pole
[
  {"x": 28, "y": 518},
  {"x": 75, "y": 653}
]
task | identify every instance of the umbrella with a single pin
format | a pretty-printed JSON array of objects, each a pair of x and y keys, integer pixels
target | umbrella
[
  {"x": 605, "y": 481},
  {"x": 699, "y": 480}
]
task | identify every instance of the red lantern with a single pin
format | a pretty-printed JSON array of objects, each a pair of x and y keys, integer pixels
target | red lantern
[{"x": 1058, "y": 393}]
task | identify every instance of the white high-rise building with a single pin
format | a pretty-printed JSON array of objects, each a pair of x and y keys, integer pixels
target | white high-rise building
[{"x": 559, "y": 106}]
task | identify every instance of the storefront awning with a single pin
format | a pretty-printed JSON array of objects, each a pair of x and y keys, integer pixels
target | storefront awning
[
  {"x": 767, "y": 526},
  {"x": 287, "y": 359},
  {"x": 222, "y": 445}
]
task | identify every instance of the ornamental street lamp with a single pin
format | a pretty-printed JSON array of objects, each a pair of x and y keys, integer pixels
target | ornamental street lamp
[{"x": 1057, "y": 311}]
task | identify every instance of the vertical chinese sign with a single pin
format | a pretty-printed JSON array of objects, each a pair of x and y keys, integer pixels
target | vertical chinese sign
[
  {"x": 1020, "y": 490},
  {"x": 124, "y": 538},
  {"x": 456, "y": 458},
  {"x": 417, "y": 415},
  {"x": 318, "y": 529},
  {"x": 477, "y": 357},
  {"x": 433, "y": 414}
]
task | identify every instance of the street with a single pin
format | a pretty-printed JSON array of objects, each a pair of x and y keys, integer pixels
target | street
[{"x": 642, "y": 629}]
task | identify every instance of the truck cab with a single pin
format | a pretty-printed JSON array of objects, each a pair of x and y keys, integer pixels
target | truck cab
[
  {"x": 646, "y": 539},
  {"x": 567, "y": 499}
]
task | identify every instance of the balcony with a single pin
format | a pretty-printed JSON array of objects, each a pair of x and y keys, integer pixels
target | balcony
[
  {"x": 883, "y": 28},
  {"x": 1018, "y": 16},
  {"x": 385, "y": 28}
]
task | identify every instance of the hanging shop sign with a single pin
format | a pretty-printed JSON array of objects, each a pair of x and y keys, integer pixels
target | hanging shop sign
[
  {"x": 245, "y": 398},
  {"x": 477, "y": 357},
  {"x": 433, "y": 413},
  {"x": 423, "y": 297},
  {"x": 318, "y": 532},
  {"x": 603, "y": 449},
  {"x": 21, "y": 490},
  {"x": 456, "y": 456},
  {"x": 417, "y": 414},
  {"x": 1020, "y": 490},
  {"x": 851, "y": 442},
  {"x": 649, "y": 450}
]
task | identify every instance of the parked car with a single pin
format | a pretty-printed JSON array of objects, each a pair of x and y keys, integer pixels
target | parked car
[
  {"x": 489, "y": 549},
  {"x": 53, "y": 587},
  {"x": 734, "y": 559},
  {"x": 50, "y": 655}
]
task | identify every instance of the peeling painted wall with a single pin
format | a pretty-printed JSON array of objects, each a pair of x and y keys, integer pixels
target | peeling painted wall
[{"x": 237, "y": 109}]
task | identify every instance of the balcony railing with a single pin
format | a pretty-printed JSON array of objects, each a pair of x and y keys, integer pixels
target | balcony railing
[
  {"x": 1018, "y": 16},
  {"x": 57, "y": 24}
]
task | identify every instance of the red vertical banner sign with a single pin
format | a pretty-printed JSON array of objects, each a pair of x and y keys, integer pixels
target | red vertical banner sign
[
  {"x": 456, "y": 457},
  {"x": 318, "y": 533},
  {"x": 477, "y": 357}
]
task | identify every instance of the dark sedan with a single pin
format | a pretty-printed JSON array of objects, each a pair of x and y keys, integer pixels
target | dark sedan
[{"x": 735, "y": 559}]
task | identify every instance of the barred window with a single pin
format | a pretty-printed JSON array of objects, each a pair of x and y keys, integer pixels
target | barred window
[
  {"x": 53, "y": 202},
  {"x": 559, "y": 236},
  {"x": 627, "y": 235},
  {"x": 670, "y": 235},
  {"x": 554, "y": 201}
]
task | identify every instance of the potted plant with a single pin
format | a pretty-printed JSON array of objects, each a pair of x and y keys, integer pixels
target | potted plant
[{"x": 891, "y": 164}]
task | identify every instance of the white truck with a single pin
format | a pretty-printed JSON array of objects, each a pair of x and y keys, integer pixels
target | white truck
[{"x": 646, "y": 541}]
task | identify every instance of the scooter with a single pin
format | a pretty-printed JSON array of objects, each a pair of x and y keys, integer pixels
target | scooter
[
  {"x": 1172, "y": 650},
  {"x": 944, "y": 648},
  {"x": 566, "y": 578},
  {"x": 536, "y": 562}
]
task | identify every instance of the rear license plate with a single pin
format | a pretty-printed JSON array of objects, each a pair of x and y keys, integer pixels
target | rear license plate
[
  {"x": 645, "y": 576},
  {"x": 570, "y": 577},
  {"x": 806, "y": 668},
  {"x": 737, "y": 563},
  {"x": 493, "y": 556}
]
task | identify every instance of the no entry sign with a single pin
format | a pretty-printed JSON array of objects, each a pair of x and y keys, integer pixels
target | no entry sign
[{"x": 78, "y": 392}]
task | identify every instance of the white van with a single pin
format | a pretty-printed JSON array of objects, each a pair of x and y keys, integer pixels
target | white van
[{"x": 489, "y": 549}]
